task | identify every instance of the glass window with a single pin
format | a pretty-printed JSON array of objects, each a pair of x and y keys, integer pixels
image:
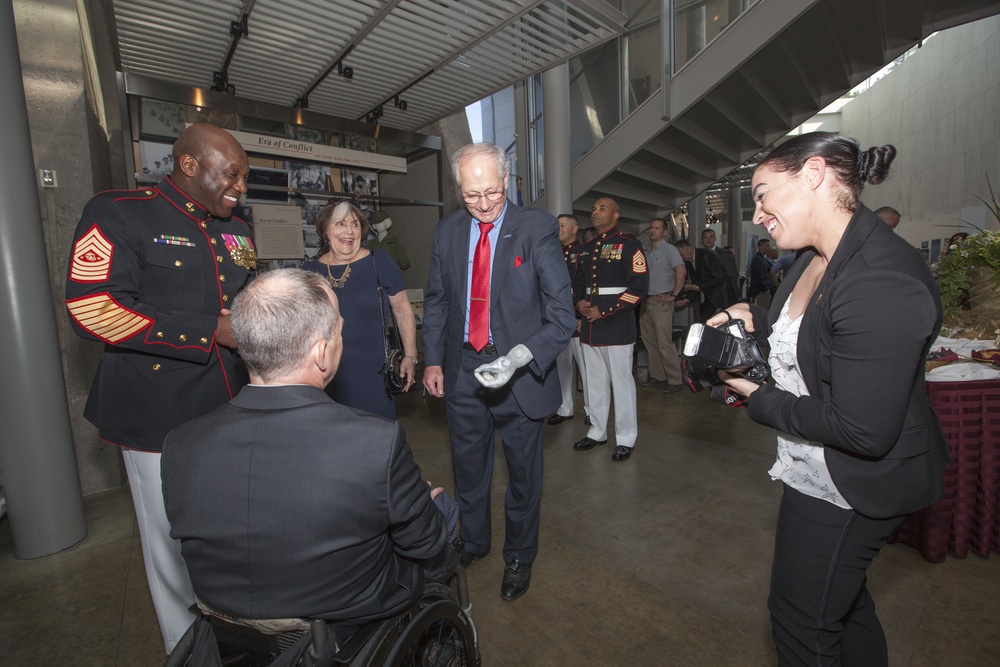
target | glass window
[
  {"x": 698, "y": 22},
  {"x": 594, "y": 97},
  {"x": 643, "y": 63}
]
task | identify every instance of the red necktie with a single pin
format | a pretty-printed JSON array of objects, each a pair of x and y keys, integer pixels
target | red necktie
[{"x": 479, "y": 303}]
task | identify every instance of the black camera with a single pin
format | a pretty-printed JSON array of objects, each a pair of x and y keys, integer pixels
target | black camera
[{"x": 730, "y": 348}]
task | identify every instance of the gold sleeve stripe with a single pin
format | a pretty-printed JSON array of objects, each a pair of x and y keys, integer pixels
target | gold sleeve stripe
[
  {"x": 638, "y": 262},
  {"x": 105, "y": 318},
  {"x": 91, "y": 258},
  {"x": 629, "y": 298}
]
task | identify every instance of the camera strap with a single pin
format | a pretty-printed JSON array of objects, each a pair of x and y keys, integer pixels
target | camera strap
[{"x": 723, "y": 394}]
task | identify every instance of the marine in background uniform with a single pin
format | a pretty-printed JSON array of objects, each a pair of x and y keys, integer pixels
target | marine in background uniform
[
  {"x": 568, "y": 229},
  {"x": 150, "y": 275},
  {"x": 611, "y": 279}
]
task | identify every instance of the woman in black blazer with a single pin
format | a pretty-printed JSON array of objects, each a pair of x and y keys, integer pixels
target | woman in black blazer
[{"x": 859, "y": 446}]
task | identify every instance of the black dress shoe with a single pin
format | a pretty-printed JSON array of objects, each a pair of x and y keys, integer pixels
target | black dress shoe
[
  {"x": 622, "y": 453},
  {"x": 516, "y": 579},
  {"x": 653, "y": 382},
  {"x": 587, "y": 422},
  {"x": 558, "y": 419},
  {"x": 466, "y": 557},
  {"x": 672, "y": 388},
  {"x": 588, "y": 443}
]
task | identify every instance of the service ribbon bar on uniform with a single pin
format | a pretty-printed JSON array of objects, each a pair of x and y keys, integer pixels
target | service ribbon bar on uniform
[{"x": 173, "y": 240}]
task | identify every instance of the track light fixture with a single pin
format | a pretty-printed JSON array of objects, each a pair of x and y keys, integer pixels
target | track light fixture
[
  {"x": 346, "y": 72},
  {"x": 302, "y": 102},
  {"x": 240, "y": 28},
  {"x": 220, "y": 82},
  {"x": 398, "y": 103}
]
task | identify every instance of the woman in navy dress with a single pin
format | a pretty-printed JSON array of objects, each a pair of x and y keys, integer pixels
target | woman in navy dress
[{"x": 350, "y": 269}]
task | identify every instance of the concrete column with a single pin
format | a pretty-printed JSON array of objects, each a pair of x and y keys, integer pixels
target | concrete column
[
  {"x": 734, "y": 228},
  {"x": 696, "y": 219},
  {"x": 37, "y": 458},
  {"x": 555, "y": 116}
]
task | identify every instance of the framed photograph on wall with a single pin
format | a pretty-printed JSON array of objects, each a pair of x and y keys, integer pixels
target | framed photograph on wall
[{"x": 271, "y": 180}]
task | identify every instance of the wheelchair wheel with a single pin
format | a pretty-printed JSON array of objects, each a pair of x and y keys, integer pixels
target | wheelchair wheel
[
  {"x": 440, "y": 635},
  {"x": 434, "y": 632}
]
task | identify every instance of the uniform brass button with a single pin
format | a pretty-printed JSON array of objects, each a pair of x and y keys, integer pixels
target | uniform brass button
[
  {"x": 218, "y": 258},
  {"x": 213, "y": 241},
  {"x": 222, "y": 278},
  {"x": 183, "y": 337},
  {"x": 159, "y": 334},
  {"x": 204, "y": 225},
  {"x": 149, "y": 192},
  {"x": 225, "y": 297},
  {"x": 204, "y": 341},
  {"x": 156, "y": 367}
]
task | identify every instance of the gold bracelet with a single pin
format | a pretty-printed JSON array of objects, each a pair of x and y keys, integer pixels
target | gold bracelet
[{"x": 413, "y": 359}]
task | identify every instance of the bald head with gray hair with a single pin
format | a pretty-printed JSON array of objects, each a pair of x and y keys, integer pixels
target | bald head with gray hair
[
  {"x": 476, "y": 150},
  {"x": 278, "y": 318}
]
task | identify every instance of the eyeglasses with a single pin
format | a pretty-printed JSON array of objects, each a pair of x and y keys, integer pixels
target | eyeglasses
[{"x": 492, "y": 196}]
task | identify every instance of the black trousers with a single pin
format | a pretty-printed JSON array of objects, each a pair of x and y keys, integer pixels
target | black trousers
[
  {"x": 821, "y": 611},
  {"x": 475, "y": 416}
]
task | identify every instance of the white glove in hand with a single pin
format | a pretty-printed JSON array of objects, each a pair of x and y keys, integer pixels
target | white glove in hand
[{"x": 497, "y": 373}]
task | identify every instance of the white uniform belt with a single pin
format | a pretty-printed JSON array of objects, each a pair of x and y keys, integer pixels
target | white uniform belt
[{"x": 606, "y": 290}]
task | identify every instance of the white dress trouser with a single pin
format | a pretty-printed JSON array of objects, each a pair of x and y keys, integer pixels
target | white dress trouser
[
  {"x": 166, "y": 573},
  {"x": 609, "y": 371},
  {"x": 567, "y": 377}
]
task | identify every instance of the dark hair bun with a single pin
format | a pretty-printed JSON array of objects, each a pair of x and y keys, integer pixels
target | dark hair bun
[{"x": 873, "y": 164}]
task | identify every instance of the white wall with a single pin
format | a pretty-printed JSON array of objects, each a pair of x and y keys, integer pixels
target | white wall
[{"x": 941, "y": 110}]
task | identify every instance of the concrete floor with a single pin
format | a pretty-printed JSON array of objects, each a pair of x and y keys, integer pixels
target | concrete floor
[{"x": 661, "y": 560}]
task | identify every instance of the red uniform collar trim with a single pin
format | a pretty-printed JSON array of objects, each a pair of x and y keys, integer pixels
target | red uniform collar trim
[{"x": 181, "y": 199}]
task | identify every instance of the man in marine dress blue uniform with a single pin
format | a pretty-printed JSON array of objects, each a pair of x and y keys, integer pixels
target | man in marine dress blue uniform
[
  {"x": 569, "y": 226},
  {"x": 611, "y": 279},
  {"x": 496, "y": 375},
  {"x": 151, "y": 276}
]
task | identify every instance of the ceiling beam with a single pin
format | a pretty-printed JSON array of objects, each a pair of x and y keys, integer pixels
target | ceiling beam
[
  {"x": 691, "y": 128},
  {"x": 661, "y": 148},
  {"x": 646, "y": 173}
]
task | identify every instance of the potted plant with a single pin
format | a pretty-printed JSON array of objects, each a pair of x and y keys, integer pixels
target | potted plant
[{"x": 969, "y": 280}]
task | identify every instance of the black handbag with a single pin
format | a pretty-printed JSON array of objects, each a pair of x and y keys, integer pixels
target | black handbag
[{"x": 391, "y": 343}]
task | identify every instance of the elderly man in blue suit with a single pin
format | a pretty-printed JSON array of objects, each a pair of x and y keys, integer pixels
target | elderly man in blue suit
[{"x": 497, "y": 313}]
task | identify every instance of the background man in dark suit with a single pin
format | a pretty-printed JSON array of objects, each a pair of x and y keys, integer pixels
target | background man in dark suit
[
  {"x": 286, "y": 503},
  {"x": 496, "y": 375},
  {"x": 888, "y": 215},
  {"x": 728, "y": 258},
  {"x": 709, "y": 277},
  {"x": 761, "y": 284}
]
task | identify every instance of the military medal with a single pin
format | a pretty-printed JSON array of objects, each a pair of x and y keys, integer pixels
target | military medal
[{"x": 241, "y": 250}]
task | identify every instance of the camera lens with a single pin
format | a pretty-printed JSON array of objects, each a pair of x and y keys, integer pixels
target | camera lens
[{"x": 698, "y": 375}]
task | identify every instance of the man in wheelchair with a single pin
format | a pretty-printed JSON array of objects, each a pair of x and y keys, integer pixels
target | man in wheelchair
[{"x": 287, "y": 504}]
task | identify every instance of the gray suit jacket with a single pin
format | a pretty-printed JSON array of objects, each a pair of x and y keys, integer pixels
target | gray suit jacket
[
  {"x": 288, "y": 504},
  {"x": 861, "y": 349},
  {"x": 530, "y": 301}
]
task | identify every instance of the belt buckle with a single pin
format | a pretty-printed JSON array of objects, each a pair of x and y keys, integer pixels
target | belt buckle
[{"x": 595, "y": 290}]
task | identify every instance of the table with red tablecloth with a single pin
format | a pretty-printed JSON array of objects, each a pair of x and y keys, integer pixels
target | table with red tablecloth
[{"x": 968, "y": 517}]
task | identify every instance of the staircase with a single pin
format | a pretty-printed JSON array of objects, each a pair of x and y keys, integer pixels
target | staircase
[{"x": 776, "y": 66}]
